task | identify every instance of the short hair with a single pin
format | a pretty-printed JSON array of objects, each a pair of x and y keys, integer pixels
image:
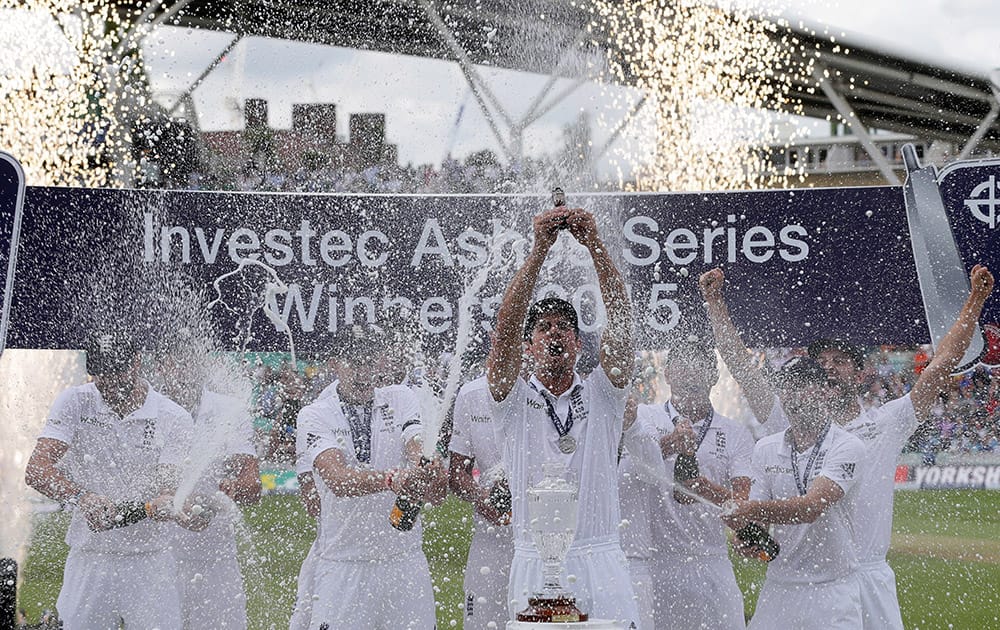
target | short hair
[
  {"x": 692, "y": 351},
  {"x": 109, "y": 352},
  {"x": 822, "y": 345},
  {"x": 548, "y": 306},
  {"x": 799, "y": 372},
  {"x": 360, "y": 343}
]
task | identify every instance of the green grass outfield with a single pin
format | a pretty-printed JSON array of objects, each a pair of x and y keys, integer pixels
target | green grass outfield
[{"x": 946, "y": 554}]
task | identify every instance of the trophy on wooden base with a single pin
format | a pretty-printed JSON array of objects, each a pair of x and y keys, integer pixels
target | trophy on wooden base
[{"x": 551, "y": 509}]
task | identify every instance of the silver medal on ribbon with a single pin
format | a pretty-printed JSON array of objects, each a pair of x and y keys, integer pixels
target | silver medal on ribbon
[{"x": 567, "y": 444}]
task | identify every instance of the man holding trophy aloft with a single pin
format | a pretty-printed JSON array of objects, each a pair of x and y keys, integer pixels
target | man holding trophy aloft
[{"x": 555, "y": 420}]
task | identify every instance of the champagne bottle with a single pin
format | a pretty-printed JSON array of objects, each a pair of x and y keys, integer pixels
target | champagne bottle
[
  {"x": 129, "y": 513},
  {"x": 406, "y": 510},
  {"x": 500, "y": 498},
  {"x": 756, "y": 536},
  {"x": 685, "y": 467}
]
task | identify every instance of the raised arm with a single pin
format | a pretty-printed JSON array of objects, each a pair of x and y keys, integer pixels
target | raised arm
[
  {"x": 617, "y": 355},
  {"x": 504, "y": 362},
  {"x": 934, "y": 379},
  {"x": 757, "y": 389}
]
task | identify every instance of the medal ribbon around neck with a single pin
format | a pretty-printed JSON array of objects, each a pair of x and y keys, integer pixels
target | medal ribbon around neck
[
  {"x": 359, "y": 421},
  {"x": 702, "y": 432},
  {"x": 575, "y": 400},
  {"x": 802, "y": 482}
]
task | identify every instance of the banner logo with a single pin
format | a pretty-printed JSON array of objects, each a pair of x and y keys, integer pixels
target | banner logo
[{"x": 976, "y": 203}]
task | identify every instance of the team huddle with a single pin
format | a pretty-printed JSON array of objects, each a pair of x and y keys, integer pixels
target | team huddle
[{"x": 664, "y": 490}]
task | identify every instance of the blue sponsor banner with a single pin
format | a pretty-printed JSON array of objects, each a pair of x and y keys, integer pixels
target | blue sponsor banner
[
  {"x": 11, "y": 200},
  {"x": 800, "y": 264},
  {"x": 971, "y": 195}
]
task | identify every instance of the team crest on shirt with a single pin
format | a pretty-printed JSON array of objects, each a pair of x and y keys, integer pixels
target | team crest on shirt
[
  {"x": 97, "y": 422},
  {"x": 866, "y": 431},
  {"x": 848, "y": 468},
  {"x": 388, "y": 423}
]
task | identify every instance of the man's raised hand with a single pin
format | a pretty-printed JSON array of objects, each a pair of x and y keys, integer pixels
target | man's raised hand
[
  {"x": 583, "y": 227},
  {"x": 982, "y": 281},
  {"x": 547, "y": 226},
  {"x": 711, "y": 283}
]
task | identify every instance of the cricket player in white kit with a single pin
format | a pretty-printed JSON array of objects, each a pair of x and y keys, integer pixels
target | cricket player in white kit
[
  {"x": 228, "y": 475},
  {"x": 474, "y": 445},
  {"x": 639, "y": 477},
  {"x": 556, "y": 416},
  {"x": 884, "y": 430},
  {"x": 212, "y": 592},
  {"x": 107, "y": 442},
  {"x": 802, "y": 483},
  {"x": 364, "y": 447},
  {"x": 309, "y": 495},
  {"x": 693, "y": 581}
]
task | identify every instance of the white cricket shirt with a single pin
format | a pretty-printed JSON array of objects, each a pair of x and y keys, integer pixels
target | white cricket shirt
[
  {"x": 358, "y": 528},
  {"x": 474, "y": 435},
  {"x": 637, "y": 487},
  {"x": 884, "y": 431},
  {"x": 724, "y": 454},
  {"x": 118, "y": 458},
  {"x": 824, "y": 549},
  {"x": 532, "y": 439}
]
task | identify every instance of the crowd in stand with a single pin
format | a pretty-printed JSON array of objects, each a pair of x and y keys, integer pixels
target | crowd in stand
[
  {"x": 967, "y": 419},
  {"x": 479, "y": 173}
]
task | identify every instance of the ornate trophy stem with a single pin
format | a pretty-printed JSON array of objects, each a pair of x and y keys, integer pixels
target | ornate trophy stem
[
  {"x": 550, "y": 577},
  {"x": 552, "y": 507}
]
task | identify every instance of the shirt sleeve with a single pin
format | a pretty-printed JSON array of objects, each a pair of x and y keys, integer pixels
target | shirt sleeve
[
  {"x": 898, "y": 418},
  {"x": 504, "y": 411},
  {"x": 318, "y": 432},
  {"x": 63, "y": 418},
  {"x": 603, "y": 386},
  {"x": 843, "y": 462},
  {"x": 609, "y": 397}
]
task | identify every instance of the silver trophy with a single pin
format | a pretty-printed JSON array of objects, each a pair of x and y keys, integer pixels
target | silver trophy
[{"x": 552, "y": 510}]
